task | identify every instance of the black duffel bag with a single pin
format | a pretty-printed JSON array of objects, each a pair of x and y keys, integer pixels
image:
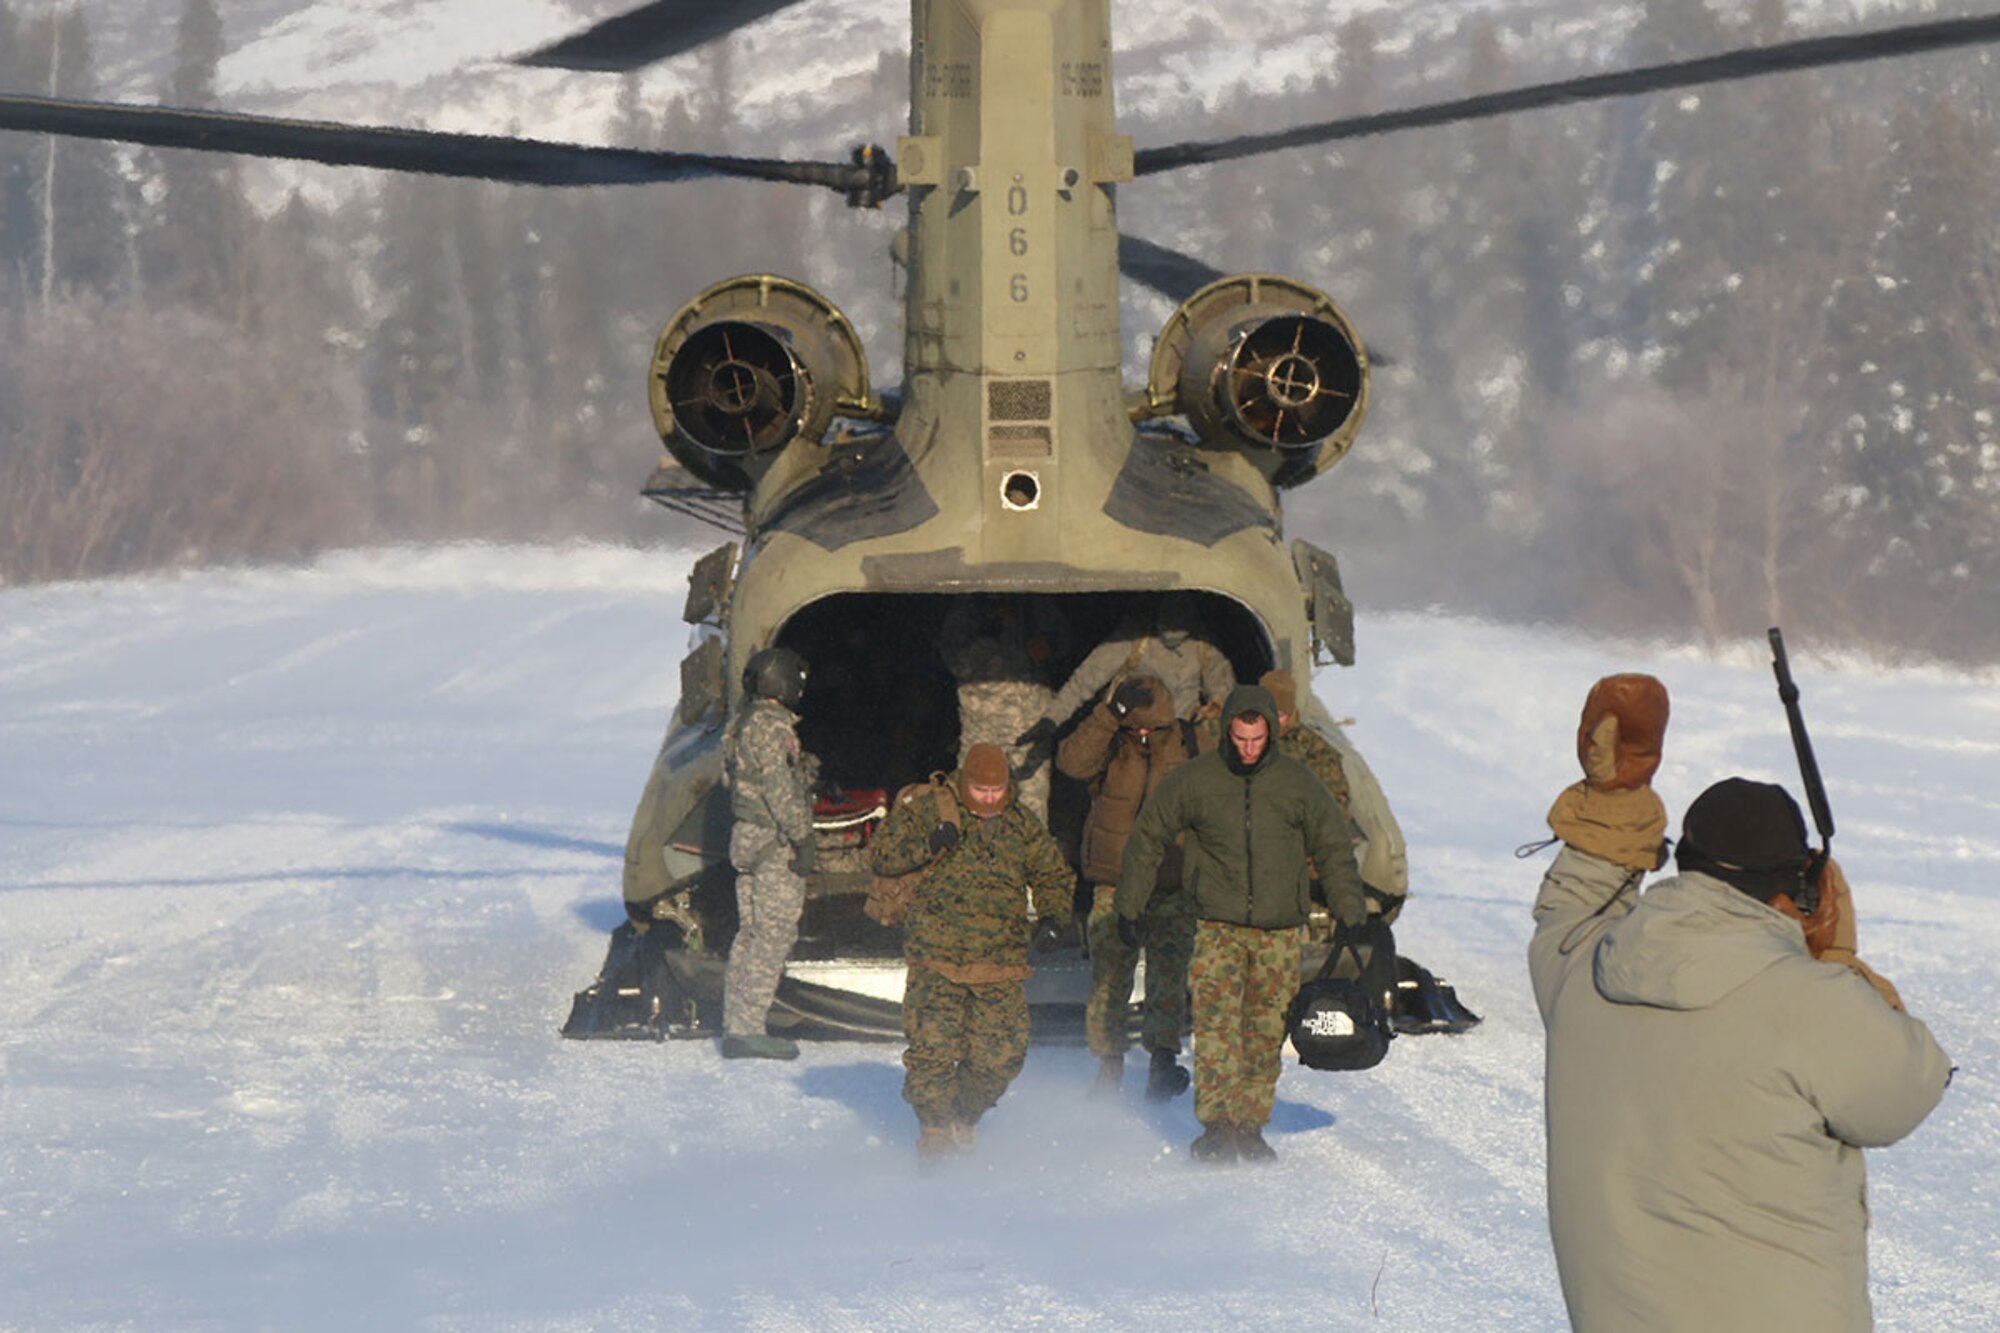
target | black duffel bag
[{"x": 1343, "y": 1022}]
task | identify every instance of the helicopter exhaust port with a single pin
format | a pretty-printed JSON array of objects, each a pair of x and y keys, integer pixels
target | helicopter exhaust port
[
  {"x": 737, "y": 389},
  {"x": 746, "y": 368},
  {"x": 1288, "y": 382},
  {"x": 1268, "y": 365},
  {"x": 1020, "y": 492}
]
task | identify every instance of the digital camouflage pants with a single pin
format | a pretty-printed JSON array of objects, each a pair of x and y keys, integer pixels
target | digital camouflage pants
[
  {"x": 1168, "y": 927},
  {"x": 1242, "y": 978},
  {"x": 770, "y": 897},
  {"x": 966, "y": 1045}
]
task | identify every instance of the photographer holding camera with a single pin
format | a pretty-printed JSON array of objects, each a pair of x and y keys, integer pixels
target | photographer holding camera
[{"x": 1717, "y": 1057}]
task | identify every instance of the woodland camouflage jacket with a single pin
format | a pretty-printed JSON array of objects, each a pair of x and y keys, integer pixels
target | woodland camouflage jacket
[
  {"x": 969, "y": 919},
  {"x": 1316, "y": 752}
]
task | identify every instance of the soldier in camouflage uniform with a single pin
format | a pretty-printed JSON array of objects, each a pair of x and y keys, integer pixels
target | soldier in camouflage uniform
[
  {"x": 1166, "y": 640},
  {"x": 1124, "y": 748},
  {"x": 1304, "y": 744},
  {"x": 1319, "y": 754},
  {"x": 1252, "y": 819},
  {"x": 771, "y": 847},
  {"x": 997, "y": 650},
  {"x": 965, "y": 1009}
]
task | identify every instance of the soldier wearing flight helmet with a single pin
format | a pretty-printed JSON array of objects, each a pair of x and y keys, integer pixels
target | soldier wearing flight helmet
[{"x": 771, "y": 847}]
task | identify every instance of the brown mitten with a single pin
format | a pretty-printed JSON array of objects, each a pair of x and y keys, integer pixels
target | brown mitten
[
  {"x": 1619, "y": 738},
  {"x": 1613, "y": 812},
  {"x": 1830, "y": 932},
  {"x": 1830, "y": 929}
]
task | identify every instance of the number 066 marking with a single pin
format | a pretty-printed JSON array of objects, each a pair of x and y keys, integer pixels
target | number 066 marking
[{"x": 1017, "y": 242}]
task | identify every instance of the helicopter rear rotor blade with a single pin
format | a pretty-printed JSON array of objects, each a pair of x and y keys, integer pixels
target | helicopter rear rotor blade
[
  {"x": 650, "y": 33},
  {"x": 1178, "y": 276},
  {"x": 1808, "y": 53},
  {"x": 1169, "y": 272},
  {"x": 468, "y": 156}
]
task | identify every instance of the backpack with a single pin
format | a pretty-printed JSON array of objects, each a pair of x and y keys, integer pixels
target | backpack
[
  {"x": 890, "y": 896},
  {"x": 1344, "y": 1023}
]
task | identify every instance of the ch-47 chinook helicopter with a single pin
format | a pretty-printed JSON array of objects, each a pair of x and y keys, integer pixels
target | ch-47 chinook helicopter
[{"x": 1012, "y": 462}]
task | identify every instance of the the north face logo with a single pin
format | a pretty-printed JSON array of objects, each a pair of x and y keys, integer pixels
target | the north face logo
[{"x": 1328, "y": 1023}]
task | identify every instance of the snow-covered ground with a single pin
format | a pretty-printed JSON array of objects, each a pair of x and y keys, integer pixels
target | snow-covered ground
[{"x": 299, "y": 869}]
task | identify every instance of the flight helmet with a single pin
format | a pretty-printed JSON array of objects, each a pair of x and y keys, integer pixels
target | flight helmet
[{"x": 776, "y": 673}]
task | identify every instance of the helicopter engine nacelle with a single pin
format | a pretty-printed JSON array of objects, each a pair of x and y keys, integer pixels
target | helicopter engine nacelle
[
  {"x": 747, "y": 368},
  {"x": 1266, "y": 365}
]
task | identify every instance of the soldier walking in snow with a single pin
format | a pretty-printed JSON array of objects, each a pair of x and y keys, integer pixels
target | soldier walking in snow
[
  {"x": 1252, "y": 819},
  {"x": 771, "y": 846},
  {"x": 965, "y": 1008},
  {"x": 1319, "y": 754},
  {"x": 1716, "y": 1060},
  {"x": 1304, "y": 744},
  {"x": 1124, "y": 748}
]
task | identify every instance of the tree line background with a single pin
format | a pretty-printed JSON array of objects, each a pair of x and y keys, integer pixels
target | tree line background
[{"x": 1678, "y": 365}]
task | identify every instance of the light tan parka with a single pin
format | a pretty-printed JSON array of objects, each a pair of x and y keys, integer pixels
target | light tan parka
[{"x": 1710, "y": 1087}]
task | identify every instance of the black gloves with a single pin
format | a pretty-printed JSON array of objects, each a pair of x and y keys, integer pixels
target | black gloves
[
  {"x": 805, "y": 856},
  {"x": 1132, "y": 694},
  {"x": 1128, "y": 932},
  {"x": 1041, "y": 733},
  {"x": 944, "y": 837},
  {"x": 1048, "y": 935}
]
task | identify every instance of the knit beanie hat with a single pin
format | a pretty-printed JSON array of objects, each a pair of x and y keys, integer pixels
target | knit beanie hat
[
  {"x": 1750, "y": 835},
  {"x": 985, "y": 766}
]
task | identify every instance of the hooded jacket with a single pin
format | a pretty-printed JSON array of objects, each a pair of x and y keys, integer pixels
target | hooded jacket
[
  {"x": 1250, "y": 835},
  {"x": 1123, "y": 770},
  {"x": 1710, "y": 1087}
]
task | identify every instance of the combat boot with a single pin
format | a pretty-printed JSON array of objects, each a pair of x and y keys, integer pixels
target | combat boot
[
  {"x": 1165, "y": 1080},
  {"x": 935, "y": 1144},
  {"x": 1217, "y": 1144},
  {"x": 1110, "y": 1073},
  {"x": 1250, "y": 1145},
  {"x": 759, "y": 1048}
]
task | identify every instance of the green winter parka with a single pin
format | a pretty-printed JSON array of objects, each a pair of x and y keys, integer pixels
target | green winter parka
[{"x": 1250, "y": 835}]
